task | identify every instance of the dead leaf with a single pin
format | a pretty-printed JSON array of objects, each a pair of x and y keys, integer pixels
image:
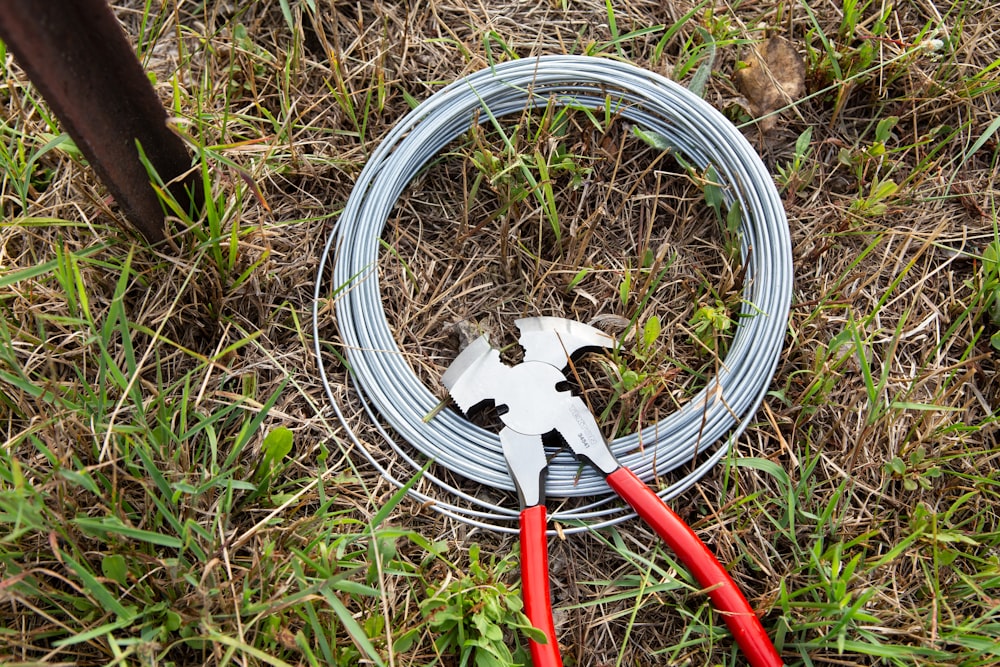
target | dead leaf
[
  {"x": 773, "y": 76},
  {"x": 466, "y": 331}
]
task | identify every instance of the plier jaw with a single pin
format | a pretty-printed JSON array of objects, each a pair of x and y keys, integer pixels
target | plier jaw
[
  {"x": 525, "y": 454},
  {"x": 527, "y": 464}
]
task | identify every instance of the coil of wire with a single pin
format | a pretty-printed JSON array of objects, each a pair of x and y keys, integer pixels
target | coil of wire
[{"x": 397, "y": 402}]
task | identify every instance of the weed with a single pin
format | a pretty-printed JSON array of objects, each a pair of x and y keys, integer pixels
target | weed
[
  {"x": 794, "y": 176},
  {"x": 638, "y": 378},
  {"x": 276, "y": 446},
  {"x": 915, "y": 471},
  {"x": 476, "y": 615},
  {"x": 529, "y": 162},
  {"x": 849, "y": 58},
  {"x": 866, "y": 161},
  {"x": 711, "y": 325},
  {"x": 24, "y": 173},
  {"x": 874, "y": 204},
  {"x": 217, "y": 230},
  {"x": 986, "y": 286},
  {"x": 822, "y": 376}
]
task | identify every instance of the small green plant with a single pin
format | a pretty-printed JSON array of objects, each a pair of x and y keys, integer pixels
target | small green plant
[
  {"x": 985, "y": 287},
  {"x": 644, "y": 351},
  {"x": 529, "y": 162},
  {"x": 275, "y": 448},
  {"x": 819, "y": 379},
  {"x": 838, "y": 573},
  {"x": 915, "y": 471},
  {"x": 869, "y": 164},
  {"x": 251, "y": 55},
  {"x": 846, "y": 56},
  {"x": 876, "y": 202},
  {"x": 867, "y": 161},
  {"x": 218, "y": 228},
  {"x": 646, "y": 345},
  {"x": 711, "y": 324},
  {"x": 638, "y": 377},
  {"x": 474, "y": 615},
  {"x": 795, "y": 175},
  {"x": 883, "y": 132},
  {"x": 24, "y": 172}
]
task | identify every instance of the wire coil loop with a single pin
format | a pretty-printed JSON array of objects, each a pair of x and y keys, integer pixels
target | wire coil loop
[{"x": 392, "y": 394}]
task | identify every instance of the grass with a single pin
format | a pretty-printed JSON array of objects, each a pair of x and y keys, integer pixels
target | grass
[{"x": 174, "y": 490}]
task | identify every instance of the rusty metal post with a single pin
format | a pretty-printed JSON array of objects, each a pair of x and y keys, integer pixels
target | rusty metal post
[{"x": 76, "y": 54}]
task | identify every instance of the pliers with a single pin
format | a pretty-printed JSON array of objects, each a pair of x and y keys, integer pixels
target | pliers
[{"x": 531, "y": 404}]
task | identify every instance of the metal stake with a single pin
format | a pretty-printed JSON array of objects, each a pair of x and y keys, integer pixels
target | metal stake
[{"x": 76, "y": 54}]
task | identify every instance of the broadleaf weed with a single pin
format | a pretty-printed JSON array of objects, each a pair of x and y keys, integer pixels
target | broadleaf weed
[{"x": 475, "y": 615}]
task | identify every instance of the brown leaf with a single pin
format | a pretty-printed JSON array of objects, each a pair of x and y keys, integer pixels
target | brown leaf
[{"x": 774, "y": 75}]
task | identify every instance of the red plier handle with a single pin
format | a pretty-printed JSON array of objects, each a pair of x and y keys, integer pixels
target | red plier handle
[
  {"x": 535, "y": 586},
  {"x": 703, "y": 565}
]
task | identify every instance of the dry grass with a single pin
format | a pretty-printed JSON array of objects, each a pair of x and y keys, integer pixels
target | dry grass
[{"x": 143, "y": 522}]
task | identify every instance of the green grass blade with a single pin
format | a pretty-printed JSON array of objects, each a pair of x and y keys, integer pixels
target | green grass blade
[
  {"x": 355, "y": 631},
  {"x": 113, "y": 526}
]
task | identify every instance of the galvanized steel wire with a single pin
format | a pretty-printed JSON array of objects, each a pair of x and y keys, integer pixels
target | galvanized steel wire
[{"x": 698, "y": 434}]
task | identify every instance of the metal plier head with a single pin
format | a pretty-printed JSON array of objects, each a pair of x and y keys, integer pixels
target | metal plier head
[
  {"x": 532, "y": 404},
  {"x": 529, "y": 397}
]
